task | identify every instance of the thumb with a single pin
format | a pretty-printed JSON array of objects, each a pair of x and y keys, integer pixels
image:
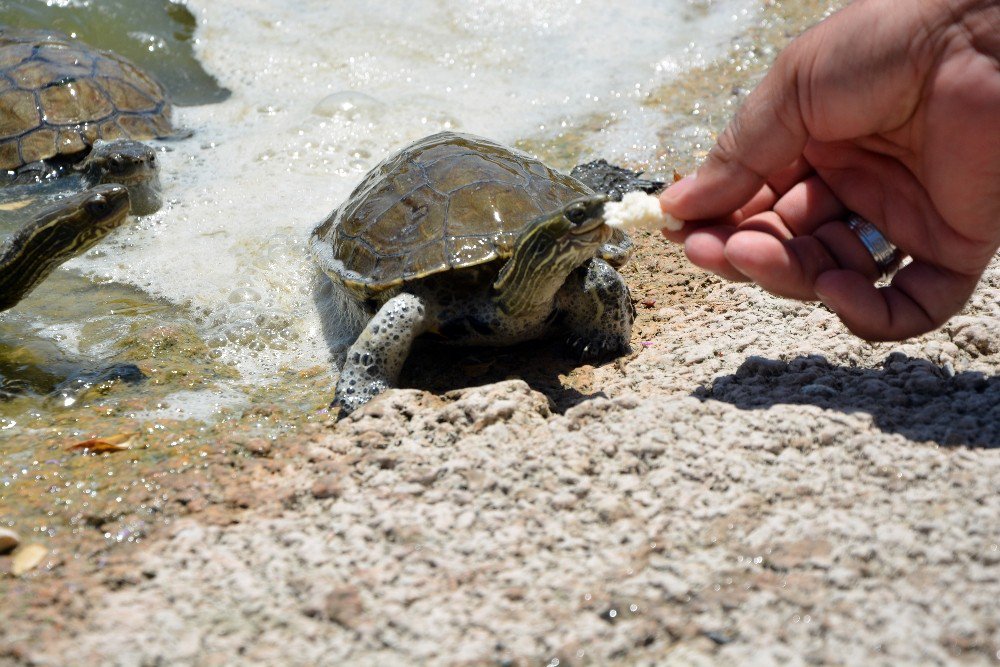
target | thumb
[{"x": 766, "y": 135}]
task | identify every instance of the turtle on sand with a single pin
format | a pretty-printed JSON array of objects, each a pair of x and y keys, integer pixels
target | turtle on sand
[{"x": 461, "y": 237}]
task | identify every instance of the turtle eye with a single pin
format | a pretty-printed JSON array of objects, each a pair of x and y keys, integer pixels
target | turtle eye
[
  {"x": 97, "y": 206},
  {"x": 576, "y": 215}
]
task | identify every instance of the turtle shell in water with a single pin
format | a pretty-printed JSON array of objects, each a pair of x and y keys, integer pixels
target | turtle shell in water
[
  {"x": 445, "y": 202},
  {"x": 58, "y": 96}
]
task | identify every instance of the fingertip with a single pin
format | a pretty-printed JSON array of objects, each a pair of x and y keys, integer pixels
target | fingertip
[
  {"x": 673, "y": 196},
  {"x": 706, "y": 248}
]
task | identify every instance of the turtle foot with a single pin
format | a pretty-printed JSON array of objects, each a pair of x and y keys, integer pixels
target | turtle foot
[
  {"x": 351, "y": 396},
  {"x": 74, "y": 388},
  {"x": 614, "y": 181},
  {"x": 598, "y": 348}
]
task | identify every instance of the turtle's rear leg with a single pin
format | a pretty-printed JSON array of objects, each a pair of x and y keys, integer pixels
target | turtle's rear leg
[
  {"x": 598, "y": 311},
  {"x": 375, "y": 359}
]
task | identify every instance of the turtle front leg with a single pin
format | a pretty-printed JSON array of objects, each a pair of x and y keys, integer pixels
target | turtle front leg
[
  {"x": 375, "y": 359},
  {"x": 597, "y": 311}
]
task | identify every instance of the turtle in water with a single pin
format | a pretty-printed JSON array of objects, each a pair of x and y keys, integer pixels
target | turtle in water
[
  {"x": 71, "y": 119},
  {"x": 72, "y": 165},
  {"x": 58, "y": 97},
  {"x": 55, "y": 234},
  {"x": 461, "y": 237},
  {"x": 125, "y": 162}
]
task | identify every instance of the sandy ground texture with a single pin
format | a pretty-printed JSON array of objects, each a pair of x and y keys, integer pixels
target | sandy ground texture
[{"x": 751, "y": 486}]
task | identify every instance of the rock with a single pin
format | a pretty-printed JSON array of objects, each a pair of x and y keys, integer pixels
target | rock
[
  {"x": 563, "y": 501},
  {"x": 343, "y": 606},
  {"x": 258, "y": 446},
  {"x": 8, "y": 540},
  {"x": 327, "y": 486},
  {"x": 800, "y": 553},
  {"x": 611, "y": 509}
]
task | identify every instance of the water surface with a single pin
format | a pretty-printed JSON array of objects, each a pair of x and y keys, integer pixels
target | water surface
[{"x": 320, "y": 92}]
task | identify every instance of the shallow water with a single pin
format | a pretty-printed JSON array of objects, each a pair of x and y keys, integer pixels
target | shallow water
[
  {"x": 158, "y": 35},
  {"x": 320, "y": 93}
]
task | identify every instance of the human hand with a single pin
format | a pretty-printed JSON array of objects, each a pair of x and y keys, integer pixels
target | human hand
[{"x": 887, "y": 109}]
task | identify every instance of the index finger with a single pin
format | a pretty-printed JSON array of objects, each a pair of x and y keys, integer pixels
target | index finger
[{"x": 765, "y": 136}]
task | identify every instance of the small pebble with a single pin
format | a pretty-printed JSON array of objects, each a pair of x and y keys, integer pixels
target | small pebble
[
  {"x": 344, "y": 607},
  {"x": 327, "y": 486},
  {"x": 259, "y": 446}
]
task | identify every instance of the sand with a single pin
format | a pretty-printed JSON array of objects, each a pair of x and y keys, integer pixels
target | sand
[{"x": 752, "y": 485}]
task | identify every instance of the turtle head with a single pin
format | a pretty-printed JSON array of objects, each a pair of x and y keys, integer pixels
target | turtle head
[
  {"x": 126, "y": 162},
  {"x": 56, "y": 234},
  {"x": 76, "y": 223},
  {"x": 548, "y": 249},
  {"x": 576, "y": 227}
]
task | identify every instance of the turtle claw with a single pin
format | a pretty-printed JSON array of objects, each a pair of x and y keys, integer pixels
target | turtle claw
[
  {"x": 348, "y": 400},
  {"x": 597, "y": 348}
]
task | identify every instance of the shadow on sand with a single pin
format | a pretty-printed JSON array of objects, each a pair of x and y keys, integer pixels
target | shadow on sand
[
  {"x": 908, "y": 396},
  {"x": 542, "y": 364}
]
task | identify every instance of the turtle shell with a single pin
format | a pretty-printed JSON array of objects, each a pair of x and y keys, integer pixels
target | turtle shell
[
  {"x": 445, "y": 202},
  {"x": 58, "y": 96}
]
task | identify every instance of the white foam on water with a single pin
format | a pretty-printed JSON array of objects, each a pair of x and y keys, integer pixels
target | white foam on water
[{"x": 322, "y": 90}]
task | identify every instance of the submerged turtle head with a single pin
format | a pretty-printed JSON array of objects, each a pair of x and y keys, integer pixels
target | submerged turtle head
[
  {"x": 548, "y": 249},
  {"x": 129, "y": 163},
  {"x": 57, "y": 234}
]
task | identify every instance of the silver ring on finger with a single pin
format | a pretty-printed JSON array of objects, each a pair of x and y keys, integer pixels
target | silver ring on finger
[{"x": 885, "y": 255}]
